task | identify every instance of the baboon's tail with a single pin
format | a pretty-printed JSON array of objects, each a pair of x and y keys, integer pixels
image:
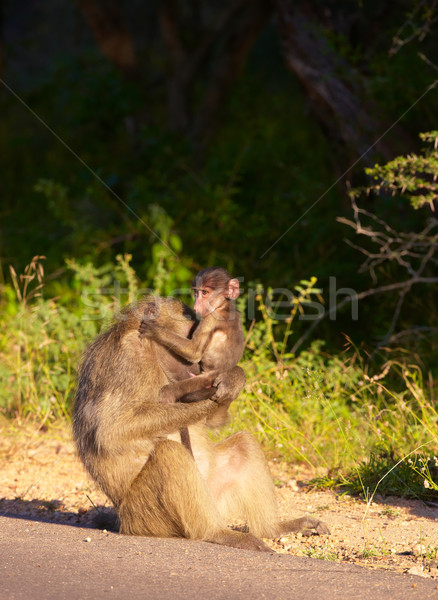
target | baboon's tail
[{"x": 106, "y": 520}]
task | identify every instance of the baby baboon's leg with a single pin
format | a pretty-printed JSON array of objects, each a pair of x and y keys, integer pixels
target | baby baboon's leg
[
  {"x": 170, "y": 499},
  {"x": 229, "y": 384}
]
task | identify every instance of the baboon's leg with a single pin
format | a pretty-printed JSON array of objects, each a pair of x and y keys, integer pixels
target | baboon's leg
[
  {"x": 242, "y": 485},
  {"x": 169, "y": 498}
]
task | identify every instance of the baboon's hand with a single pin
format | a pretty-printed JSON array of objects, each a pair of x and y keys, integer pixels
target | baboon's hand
[
  {"x": 147, "y": 329},
  {"x": 222, "y": 392},
  {"x": 148, "y": 322},
  {"x": 209, "y": 378},
  {"x": 229, "y": 384}
]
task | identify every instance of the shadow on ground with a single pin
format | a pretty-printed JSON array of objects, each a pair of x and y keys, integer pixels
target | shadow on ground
[{"x": 52, "y": 511}]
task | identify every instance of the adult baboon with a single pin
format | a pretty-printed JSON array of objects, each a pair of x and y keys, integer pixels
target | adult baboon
[{"x": 128, "y": 442}]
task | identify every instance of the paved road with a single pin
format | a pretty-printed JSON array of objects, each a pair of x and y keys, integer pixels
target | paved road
[{"x": 45, "y": 561}]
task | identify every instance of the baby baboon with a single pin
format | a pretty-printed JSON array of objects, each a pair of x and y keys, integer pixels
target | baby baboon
[
  {"x": 216, "y": 344},
  {"x": 127, "y": 440}
]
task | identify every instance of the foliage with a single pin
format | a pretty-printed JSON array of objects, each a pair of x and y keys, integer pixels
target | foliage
[
  {"x": 269, "y": 162},
  {"x": 168, "y": 272},
  {"x": 43, "y": 338},
  {"x": 386, "y": 474},
  {"x": 414, "y": 176},
  {"x": 37, "y": 350},
  {"x": 277, "y": 309}
]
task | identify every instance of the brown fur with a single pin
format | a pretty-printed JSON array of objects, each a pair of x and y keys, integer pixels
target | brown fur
[
  {"x": 123, "y": 436},
  {"x": 216, "y": 344}
]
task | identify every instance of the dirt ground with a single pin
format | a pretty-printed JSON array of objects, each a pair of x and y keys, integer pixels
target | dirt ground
[{"x": 42, "y": 479}]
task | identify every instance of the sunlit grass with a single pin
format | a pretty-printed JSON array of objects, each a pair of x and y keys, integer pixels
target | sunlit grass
[{"x": 368, "y": 432}]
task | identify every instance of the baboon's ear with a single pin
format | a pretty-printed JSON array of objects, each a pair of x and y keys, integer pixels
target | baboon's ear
[{"x": 232, "y": 289}]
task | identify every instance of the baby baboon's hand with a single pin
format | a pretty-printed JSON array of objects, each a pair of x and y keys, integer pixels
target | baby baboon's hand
[
  {"x": 150, "y": 311},
  {"x": 148, "y": 322},
  {"x": 228, "y": 385},
  {"x": 145, "y": 329},
  {"x": 208, "y": 379}
]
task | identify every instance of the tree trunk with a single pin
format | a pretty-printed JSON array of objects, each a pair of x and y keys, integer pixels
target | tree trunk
[
  {"x": 335, "y": 91},
  {"x": 178, "y": 81}
]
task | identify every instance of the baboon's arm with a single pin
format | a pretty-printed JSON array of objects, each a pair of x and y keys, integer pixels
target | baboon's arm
[
  {"x": 152, "y": 420},
  {"x": 189, "y": 349}
]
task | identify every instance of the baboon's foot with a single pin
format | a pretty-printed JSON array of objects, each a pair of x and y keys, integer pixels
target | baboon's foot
[
  {"x": 304, "y": 525},
  {"x": 244, "y": 541}
]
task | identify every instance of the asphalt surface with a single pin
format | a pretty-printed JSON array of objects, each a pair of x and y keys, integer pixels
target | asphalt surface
[{"x": 45, "y": 561}]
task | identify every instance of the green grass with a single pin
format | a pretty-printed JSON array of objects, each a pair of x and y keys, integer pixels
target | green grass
[
  {"x": 365, "y": 432},
  {"x": 320, "y": 554},
  {"x": 390, "y": 512}
]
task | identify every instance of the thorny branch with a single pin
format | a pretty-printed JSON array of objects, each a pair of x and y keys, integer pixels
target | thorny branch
[
  {"x": 406, "y": 249},
  {"x": 414, "y": 252},
  {"x": 418, "y": 25}
]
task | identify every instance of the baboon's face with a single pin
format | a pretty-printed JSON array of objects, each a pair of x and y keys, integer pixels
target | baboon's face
[{"x": 207, "y": 300}]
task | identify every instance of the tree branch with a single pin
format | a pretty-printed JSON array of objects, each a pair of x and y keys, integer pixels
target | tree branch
[
  {"x": 110, "y": 33},
  {"x": 371, "y": 292}
]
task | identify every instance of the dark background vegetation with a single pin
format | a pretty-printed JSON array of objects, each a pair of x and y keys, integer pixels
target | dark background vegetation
[{"x": 232, "y": 129}]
